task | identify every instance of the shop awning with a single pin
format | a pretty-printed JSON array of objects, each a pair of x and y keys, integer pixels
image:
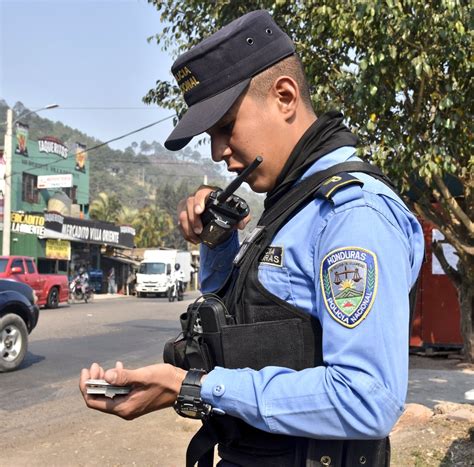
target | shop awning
[
  {"x": 121, "y": 259},
  {"x": 87, "y": 230}
]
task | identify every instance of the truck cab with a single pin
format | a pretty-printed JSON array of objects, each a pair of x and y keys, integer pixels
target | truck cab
[
  {"x": 51, "y": 289},
  {"x": 153, "y": 278},
  {"x": 156, "y": 271}
]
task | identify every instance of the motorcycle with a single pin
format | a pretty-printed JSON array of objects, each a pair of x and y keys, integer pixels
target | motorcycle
[
  {"x": 79, "y": 291},
  {"x": 175, "y": 291}
]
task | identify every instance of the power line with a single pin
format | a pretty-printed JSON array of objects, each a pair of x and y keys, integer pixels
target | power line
[
  {"x": 108, "y": 108},
  {"x": 106, "y": 142}
]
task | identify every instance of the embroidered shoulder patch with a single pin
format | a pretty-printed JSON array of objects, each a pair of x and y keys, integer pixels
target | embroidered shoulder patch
[
  {"x": 349, "y": 283},
  {"x": 273, "y": 255}
]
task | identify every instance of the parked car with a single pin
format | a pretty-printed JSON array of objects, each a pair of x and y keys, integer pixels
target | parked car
[
  {"x": 51, "y": 289},
  {"x": 19, "y": 315}
]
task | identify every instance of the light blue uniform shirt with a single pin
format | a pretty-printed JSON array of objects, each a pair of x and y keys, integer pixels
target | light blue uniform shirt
[{"x": 360, "y": 393}]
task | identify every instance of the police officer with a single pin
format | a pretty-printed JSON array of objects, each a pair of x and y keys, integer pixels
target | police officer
[{"x": 316, "y": 371}]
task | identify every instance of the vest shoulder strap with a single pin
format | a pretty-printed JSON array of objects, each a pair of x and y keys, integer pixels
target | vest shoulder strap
[{"x": 304, "y": 191}]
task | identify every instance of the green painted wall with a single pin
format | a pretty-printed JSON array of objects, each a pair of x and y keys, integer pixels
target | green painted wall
[
  {"x": 42, "y": 163},
  {"x": 27, "y": 245}
]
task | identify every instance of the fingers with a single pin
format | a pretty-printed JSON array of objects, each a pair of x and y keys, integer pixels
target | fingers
[
  {"x": 242, "y": 224},
  {"x": 85, "y": 375},
  {"x": 189, "y": 214},
  {"x": 108, "y": 405},
  {"x": 121, "y": 377},
  {"x": 154, "y": 387},
  {"x": 96, "y": 371},
  {"x": 99, "y": 402}
]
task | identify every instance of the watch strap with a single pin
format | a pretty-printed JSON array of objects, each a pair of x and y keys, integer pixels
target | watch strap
[{"x": 193, "y": 377}]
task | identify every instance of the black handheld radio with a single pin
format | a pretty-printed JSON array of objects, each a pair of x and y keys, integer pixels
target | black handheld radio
[{"x": 224, "y": 210}]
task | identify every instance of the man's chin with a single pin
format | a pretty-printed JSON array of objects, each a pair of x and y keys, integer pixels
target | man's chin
[{"x": 258, "y": 186}]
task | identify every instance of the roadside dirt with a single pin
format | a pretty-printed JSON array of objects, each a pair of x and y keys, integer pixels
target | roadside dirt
[
  {"x": 88, "y": 438},
  {"x": 443, "y": 436}
]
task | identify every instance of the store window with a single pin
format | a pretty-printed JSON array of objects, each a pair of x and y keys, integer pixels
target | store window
[
  {"x": 29, "y": 192},
  {"x": 72, "y": 193}
]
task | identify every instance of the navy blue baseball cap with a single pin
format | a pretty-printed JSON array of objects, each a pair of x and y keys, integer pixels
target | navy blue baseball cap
[{"x": 214, "y": 73}]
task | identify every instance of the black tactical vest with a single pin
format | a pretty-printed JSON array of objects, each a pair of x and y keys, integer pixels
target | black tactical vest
[{"x": 268, "y": 331}]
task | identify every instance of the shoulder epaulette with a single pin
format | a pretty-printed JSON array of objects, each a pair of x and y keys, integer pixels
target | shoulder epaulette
[{"x": 334, "y": 183}]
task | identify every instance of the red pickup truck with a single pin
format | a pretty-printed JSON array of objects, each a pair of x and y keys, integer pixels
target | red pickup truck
[{"x": 51, "y": 289}]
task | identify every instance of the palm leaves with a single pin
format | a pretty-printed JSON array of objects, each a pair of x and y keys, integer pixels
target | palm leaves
[
  {"x": 153, "y": 226},
  {"x": 105, "y": 208}
]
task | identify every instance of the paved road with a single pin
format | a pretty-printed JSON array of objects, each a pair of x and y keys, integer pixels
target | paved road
[
  {"x": 45, "y": 422},
  {"x": 72, "y": 337}
]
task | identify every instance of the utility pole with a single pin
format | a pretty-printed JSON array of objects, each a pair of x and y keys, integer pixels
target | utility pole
[{"x": 7, "y": 193}]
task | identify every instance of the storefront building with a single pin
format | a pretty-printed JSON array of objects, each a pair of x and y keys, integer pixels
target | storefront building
[{"x": 50, "y": 206}]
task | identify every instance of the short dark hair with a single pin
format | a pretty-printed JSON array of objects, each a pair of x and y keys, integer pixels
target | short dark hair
[{"x": 289, "y": 66}]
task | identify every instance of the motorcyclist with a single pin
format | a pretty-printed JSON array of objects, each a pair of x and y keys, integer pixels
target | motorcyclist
[
  {"x": 176, "y": 284},
  {"x": 83, "y": 277},
  {"x": 179, "y": 277}
]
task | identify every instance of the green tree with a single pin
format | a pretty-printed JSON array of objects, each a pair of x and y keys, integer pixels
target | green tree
[
  {"x": 127, "y": 216},
  {"x": 105, "y": 208},
  {"x": 401, "y": 71},
  {"x": 167, "y": 198},
  {"x": 152, "y": 226}
]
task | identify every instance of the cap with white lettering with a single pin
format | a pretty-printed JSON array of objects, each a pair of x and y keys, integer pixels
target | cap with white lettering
[{"x": 214, "y": 73}]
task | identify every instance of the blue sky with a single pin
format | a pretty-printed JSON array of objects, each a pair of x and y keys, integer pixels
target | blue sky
[{"x": 89, "y": 56}]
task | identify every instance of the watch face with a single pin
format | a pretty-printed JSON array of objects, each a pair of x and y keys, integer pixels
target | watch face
[
  {"x": 192, "y": 411},
  {"x": 189, "y": 412}
]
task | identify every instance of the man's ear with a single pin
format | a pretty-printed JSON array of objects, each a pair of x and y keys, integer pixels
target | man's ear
[{"x": 287, "y": 94}]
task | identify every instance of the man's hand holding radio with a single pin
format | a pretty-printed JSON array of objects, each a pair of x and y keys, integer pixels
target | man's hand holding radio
[
  {"x": 211, "y": 215},
  {"x": 189, "y": 214}
]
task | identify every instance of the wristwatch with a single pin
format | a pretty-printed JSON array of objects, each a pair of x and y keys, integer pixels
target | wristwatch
[{"x": 189, "y": 403}]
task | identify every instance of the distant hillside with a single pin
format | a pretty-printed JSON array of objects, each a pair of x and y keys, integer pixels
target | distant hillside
[
  {"x": 132, "y": 175},
  {"x": 140, "y": 173}
]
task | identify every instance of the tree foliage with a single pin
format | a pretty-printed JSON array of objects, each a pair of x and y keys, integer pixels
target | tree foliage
[
  {"x": 153, "y": 226},
  {"x": 401, "y": 71},
  {"x": 105, "y": 208}
]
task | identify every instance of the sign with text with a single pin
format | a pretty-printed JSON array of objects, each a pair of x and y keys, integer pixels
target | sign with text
[
  {"x": 58, "y": 249},
  {"x": 52, "y": 145},
  {"x": 24, "y": 222},
  {"x": 55, "y": 181},
  {"x": 90, "y": 231}
]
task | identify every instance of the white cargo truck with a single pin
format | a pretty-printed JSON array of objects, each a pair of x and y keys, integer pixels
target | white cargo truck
[{"x": 156, "y": 271}]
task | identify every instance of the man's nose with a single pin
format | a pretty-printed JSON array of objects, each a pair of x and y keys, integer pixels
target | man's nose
[{"x": 220, "y": 148}]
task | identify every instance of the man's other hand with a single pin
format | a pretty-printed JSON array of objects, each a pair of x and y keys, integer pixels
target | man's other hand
[{"x": 154, "y": 387}]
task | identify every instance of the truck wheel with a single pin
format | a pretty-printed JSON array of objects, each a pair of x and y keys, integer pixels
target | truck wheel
[
  {"x": 13, "y": 342},
  {"x": 53, "y": 298}
]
